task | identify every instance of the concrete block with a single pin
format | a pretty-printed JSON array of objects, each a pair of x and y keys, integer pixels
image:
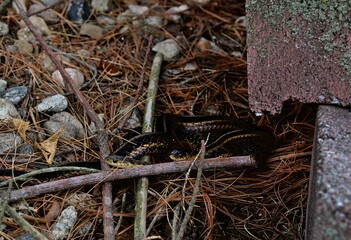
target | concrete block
[{"x": 329, "y": 204}]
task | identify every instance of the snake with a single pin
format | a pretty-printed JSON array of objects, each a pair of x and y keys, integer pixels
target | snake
[{"x": 179, "y": 137}]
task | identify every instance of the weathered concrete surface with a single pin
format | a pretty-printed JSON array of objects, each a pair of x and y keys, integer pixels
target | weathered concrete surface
[
  {"x": 299, "y": 50},
  {"x": 329, "y": 207}
]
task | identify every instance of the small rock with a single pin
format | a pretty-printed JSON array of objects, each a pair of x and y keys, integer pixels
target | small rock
[
  {"x": 241, "y": 21},
  {"x": 83, "y": 230},
  {"x": 82, "y": 201},
  {"x": 22, "y": 2},
  {"x": 48, "y": 2},
  {"x": 91, "y": 30},
  {"x": 62, "y": 227},
  {"x": 3, "y": 85},
  {"x": 201, "y": 1},
  {"x": 25, "y": 34},
  {"x": 72, "y": 127},
  {"x": 9, "y": 141},
  {"x": 4, "y": 29},
  {"x": 176, "y": 17},
  {"x": 55, "y": 103},
  {"x": 134, "y": 120},
  {"x": 138, "y": 10},
  {"x": 101, "y": 5},
  {"x": 154, "y": 21},
  {"x": 204, "y": 45},
  {"x": 23, "y": 46},
  {"x": 26, "y": 148},
  {"x": 48, "y": 65},
  {"x": 169, "y": 48},
  {"x": 78, "y": 11},
  {"x": 7, "y": 110},
  {"x": 15, "y": 94},
  {"x": 49, "y": 15},
  {"x": 38, "y": 23},
  {"x": 77, "y": 77},
  {"x": 107, "y": 21},
  {"x": 92, "y": 126}
]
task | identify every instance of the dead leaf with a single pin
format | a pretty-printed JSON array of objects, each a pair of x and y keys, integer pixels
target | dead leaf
[
  {"x": 21, "y": 126},
  {"x": 48, "y": 147}
]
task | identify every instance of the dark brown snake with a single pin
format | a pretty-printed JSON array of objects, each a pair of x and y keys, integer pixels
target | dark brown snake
[{"x": 179, "y": 138}]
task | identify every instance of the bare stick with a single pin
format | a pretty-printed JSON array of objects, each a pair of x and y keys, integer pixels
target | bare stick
[
  {"x": 147, "y": 170},
  {"x": 143, "y": 183}
]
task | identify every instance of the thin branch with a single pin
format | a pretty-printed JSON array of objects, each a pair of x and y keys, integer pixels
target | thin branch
[
  {"x": 143, "y": 183},
  {"x": 25, "y": 176},
  {"x": 146, "y": 170}
]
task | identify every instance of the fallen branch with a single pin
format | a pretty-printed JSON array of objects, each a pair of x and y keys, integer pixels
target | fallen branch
[{"x": 146, "y": 170}]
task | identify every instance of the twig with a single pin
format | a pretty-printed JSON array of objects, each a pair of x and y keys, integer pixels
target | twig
[
  {"x": 180, "y": 233},
  {"x": 140, "y": 86},
  {"x": 143, "y": 184},
  {"x": 22, "y": 222},
  {"x": 147, "y": 170},
  {"x": 102, "y": 138},
  {"x": 25, "y": 176},
  {"x": 5, "y": 201}
]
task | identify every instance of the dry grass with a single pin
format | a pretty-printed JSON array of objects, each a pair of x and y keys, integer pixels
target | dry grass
[{"x": 264, "y": 203}]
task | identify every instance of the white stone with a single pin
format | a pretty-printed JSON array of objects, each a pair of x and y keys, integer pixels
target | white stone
[
  {"x": 169, "y": 48},
  {"x": 7, "y": 110},
  {"x": 138, "y": 10},
  {"x": 4, "y": 29},
  {"x": 77, "y": 77},
  {"x": 101, "y": 5},
  {"x": 55, "y": 103},
  {"x": 3, "y": 85},
  {"x": 64, "y": 224}
]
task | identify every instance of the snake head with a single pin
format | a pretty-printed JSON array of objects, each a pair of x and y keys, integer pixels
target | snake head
[{"x": 122, "y": 161}]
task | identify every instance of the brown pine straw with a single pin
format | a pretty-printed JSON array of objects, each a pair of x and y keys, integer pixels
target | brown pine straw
[{"x": 264, "y": 203}]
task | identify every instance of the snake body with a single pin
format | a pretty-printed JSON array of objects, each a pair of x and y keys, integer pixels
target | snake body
[{"x": 179, "y": 138}]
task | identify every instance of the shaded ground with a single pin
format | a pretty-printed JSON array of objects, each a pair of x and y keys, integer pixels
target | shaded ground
[{"x": 264, "y": 203}]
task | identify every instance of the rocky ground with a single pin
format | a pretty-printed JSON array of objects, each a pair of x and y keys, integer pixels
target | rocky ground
[{"x": 105, "y": 47}]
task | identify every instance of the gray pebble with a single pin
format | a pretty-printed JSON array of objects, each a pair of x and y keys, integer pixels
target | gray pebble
[
  {"x": 9, "y": 141},
  {"x": 7, "y": 110},
  {"x": 169, "y": 48},
  {"x": 26, "y": 148},
  {"x": 4, "y": 29},
  {"x": 49, "y": 15},
  {"x": 77, "y": 77},
  {"x": 72, "y": 127},
  {"x": 101, "y": 5},
  {"x": 91, "y": 30},
  {"x": 15, "y": 94},
  {"x": 55, "y": 103},
  {"x": 62, "y": 227},
  {"x": 78, "y": 11},
  {"x": 3, "y": 85}
]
